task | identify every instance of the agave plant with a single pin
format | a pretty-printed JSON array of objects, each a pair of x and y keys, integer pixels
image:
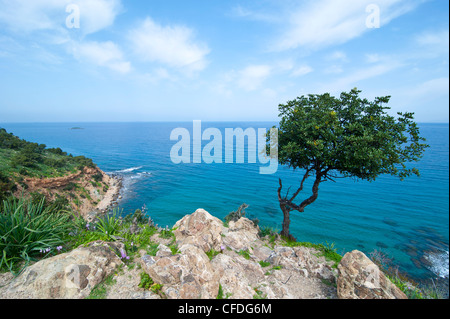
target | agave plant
[
  {"x": 30, "y": 230},
  {"x": 109, "y": 224}
]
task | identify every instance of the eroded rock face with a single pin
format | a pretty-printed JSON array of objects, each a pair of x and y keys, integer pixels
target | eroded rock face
[
  {"x": 190, "y": 274},
  {"x": 241, "y": 234},
  {"x": 244, "y": 265},
  {"x": 360, "y": 278},
  {"x": 187, "y": 275},
  {"x": 200, "y": 229},
  {"x": 67, "y": 276}
]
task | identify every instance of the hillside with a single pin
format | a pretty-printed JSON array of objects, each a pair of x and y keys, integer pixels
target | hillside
[{"x": 33, "y": 170}]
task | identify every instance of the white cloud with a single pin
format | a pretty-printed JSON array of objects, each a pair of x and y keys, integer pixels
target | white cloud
[
  {"x": 174, "y": 46},
  {"x": 433, "y": 38},
  {"x": 353, "y": 79},
  {"x": 318, "y": 24},
  {"x": 241, "y": 12},
  {"x": 434, "y": 43},
  {"x": 96, "y": 15},
  {"x": 105, "y": 54},
  {"x": 302, "y": 70},
  {"x": 337, "y": 56},
  {"x": 50, "y": 15},
  {"x": 428, "y": 100},
  {"x": 427, "y": 89},
  {"x": 251, "y": 77},
  {"x": 373, "y": 58}
]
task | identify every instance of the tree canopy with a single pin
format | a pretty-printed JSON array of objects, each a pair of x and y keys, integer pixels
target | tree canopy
[{"x": 348, "y": 136}]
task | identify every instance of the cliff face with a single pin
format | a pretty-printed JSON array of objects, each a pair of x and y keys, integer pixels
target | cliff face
[
  {"x": 87, "y": 190},
  {"x": 211, "y": 261}
]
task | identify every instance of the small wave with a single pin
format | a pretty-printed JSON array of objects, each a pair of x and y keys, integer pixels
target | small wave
[
  {"x": 129, "y": 170},
  {"x": 439, "y": 263}
]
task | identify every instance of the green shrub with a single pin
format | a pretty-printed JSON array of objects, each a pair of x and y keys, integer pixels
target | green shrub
[
  {"x": 212, "y": 253},
  {"x": 29, "y": 231},
  {"x": 244, "y": 253},
  {"x": 236, "y": 215},
  {"x": 109, "y": 224}
]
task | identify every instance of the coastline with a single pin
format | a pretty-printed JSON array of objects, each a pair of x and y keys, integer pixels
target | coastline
[{"x": 109, "y": 199}]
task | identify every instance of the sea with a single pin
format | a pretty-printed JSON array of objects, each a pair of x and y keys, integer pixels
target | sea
[{"x": 408, "y": 220}]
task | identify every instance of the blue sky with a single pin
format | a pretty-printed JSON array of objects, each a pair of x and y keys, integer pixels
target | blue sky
[{"x": 217, "y": 60}]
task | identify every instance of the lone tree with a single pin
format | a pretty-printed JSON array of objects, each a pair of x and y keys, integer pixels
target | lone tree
[{"x": 332, "y": 138}]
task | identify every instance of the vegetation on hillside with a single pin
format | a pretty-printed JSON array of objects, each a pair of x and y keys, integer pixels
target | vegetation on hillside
[
  {"x": 20, "y": 159},
  {"x": 18, "y": 156}
]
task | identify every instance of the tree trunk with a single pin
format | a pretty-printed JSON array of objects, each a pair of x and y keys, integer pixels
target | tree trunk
[{"x": 286, "y": 223}]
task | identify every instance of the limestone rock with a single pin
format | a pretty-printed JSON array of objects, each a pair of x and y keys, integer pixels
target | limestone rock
[
  {"x": 200, "y": 229},
  {"x": 188, "y": 275},
  {"x": 233, "y": 276},
  {"x": 360, "y": 278},
  {"x": 67, "y": 276},
  {"x": 241, "y": 234}
]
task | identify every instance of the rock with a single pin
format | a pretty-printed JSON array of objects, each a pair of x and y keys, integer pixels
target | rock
[
  {"x": 233, "y": 277},
  {"x": 241, "y": 234},
  {"x": 163, "y": 251},
  {"x": 199, "y": 229},
  {"x": 67, "y": 276},
  {"x": 188, "y": 275},
  {"x": 360, "y": 278}
]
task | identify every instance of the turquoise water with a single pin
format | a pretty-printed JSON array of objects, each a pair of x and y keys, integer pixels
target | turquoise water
[{"x": 407, "y": 220}]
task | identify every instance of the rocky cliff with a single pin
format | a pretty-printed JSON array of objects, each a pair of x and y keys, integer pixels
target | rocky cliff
[
  {"x": 88, "y": 191},
  {"x": 210, "y": 261}
]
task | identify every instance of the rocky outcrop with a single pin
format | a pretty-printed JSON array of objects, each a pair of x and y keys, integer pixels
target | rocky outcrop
[
  {"x": 67, "y": 276},
  {"x": 360, "y": 278},
  {"x": 187, "y": 275},
  {"x": 237, "y": 265},
  {"x": 86, "y": 196},
  {"x": 208, "y": 257},
  {"x": 200, "y": 229}
]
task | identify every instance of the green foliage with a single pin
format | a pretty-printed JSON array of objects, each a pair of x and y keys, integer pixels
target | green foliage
[
  {"x": 70, "y": 187},
  {"x": 331, "y": 138},
  {"x": 147, "y": 283},
  {"x": 349, "y": 135},
  {"x": 264, "y": 263},
  {"x": 328, "y": 250},
  {"x": 166, "y": 234},
  {"x": 7, "y": 186},
  {"x": 100, "y": 291},
  {"x": 269, "y": 231},
  {"x": 220, "y": 292},
  {"x": 236, "y": 215},
  {"x": 411, "y": 289},
  {"x": 212, "y": 253},
  {"x": 109, "y": 224},
  {"x": 98, "y": 177},
  {"x": 29, "y": 231},
  {"x": 259, "y": 294},
  {"x": 244, "y": 253},
  {"x": 174, "y": 249},
  {"x": 138, "y": 216},
  {"x": 277, "y": 267},
  {"x": 35, "y": 160}
]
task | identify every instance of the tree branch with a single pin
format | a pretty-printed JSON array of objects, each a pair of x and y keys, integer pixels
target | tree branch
[{"x": 301, "y": 184}]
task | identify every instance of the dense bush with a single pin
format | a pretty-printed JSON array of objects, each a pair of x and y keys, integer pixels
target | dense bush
[
  {"x": 6, "y": 186},
  {"x": 29, "y": 231},
  {"x": 37, "y": 156}
]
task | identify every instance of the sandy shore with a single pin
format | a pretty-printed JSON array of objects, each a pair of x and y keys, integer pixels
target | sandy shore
[
  {"x": 107, "y": 201},
  {"x": 115, "y": 185}
]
